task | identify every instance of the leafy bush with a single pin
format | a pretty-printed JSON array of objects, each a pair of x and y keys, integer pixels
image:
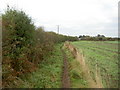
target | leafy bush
[{"x": 18, "y": 37}]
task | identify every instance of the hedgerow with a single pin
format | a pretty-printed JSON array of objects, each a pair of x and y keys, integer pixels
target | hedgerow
[{"x": 24, "y": 45}]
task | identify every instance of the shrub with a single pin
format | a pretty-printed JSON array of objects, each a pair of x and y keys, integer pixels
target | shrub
[{"x": 18, "y": 37}]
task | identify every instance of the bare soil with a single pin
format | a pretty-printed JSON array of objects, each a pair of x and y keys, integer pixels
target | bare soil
[{"x": 65, "y": 74}]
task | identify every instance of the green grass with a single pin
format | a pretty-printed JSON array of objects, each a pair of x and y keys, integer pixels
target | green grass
[
  {"x": 49, "y": 73},
  {"x": 77, "y": 78},
  {"x": 105, "y": 55}
]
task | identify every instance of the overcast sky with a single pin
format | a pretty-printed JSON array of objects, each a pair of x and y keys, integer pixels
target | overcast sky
[{"x": 75, "y": 17}]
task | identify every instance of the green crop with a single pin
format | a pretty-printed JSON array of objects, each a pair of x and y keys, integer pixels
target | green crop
[{"x": 104, "y": 54}]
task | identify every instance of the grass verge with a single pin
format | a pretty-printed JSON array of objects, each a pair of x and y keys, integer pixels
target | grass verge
[
  {"x": 77, "y": 78},
  {"x": 48, "y": 74}
]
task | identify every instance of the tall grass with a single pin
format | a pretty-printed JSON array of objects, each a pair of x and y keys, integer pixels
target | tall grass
[{"x": 77, "y": 78}]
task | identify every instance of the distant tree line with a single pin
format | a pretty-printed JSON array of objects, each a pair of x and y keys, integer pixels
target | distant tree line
[
  {"x": 97, "y": 38},
  {"x": 24, "y": 46}
]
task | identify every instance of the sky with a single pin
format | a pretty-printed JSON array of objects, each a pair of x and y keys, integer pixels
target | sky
[{"x": 74, "y": 17}]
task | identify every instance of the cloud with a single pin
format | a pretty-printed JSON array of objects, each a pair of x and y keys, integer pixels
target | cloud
[{"x": 75, "y": 17}]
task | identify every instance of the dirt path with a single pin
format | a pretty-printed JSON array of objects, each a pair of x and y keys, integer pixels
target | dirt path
[
  {"x": 85, "y": 69},
  {"x": 65, "y": 76}
]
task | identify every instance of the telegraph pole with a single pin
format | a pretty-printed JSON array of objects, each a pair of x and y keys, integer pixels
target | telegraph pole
[{"x": 58, "y": 29}]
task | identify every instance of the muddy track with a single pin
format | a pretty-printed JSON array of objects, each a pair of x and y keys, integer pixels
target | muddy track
[{"x": 65, "y": 75}]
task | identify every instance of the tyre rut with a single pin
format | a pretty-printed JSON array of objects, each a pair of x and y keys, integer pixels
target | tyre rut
[{"x": 65, "y": 74}]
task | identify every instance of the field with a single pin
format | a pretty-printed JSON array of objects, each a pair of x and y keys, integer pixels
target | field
[{"x": 103, "y": 57}]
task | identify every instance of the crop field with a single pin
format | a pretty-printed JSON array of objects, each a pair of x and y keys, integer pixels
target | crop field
[{"x": 103, "y": 57}]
